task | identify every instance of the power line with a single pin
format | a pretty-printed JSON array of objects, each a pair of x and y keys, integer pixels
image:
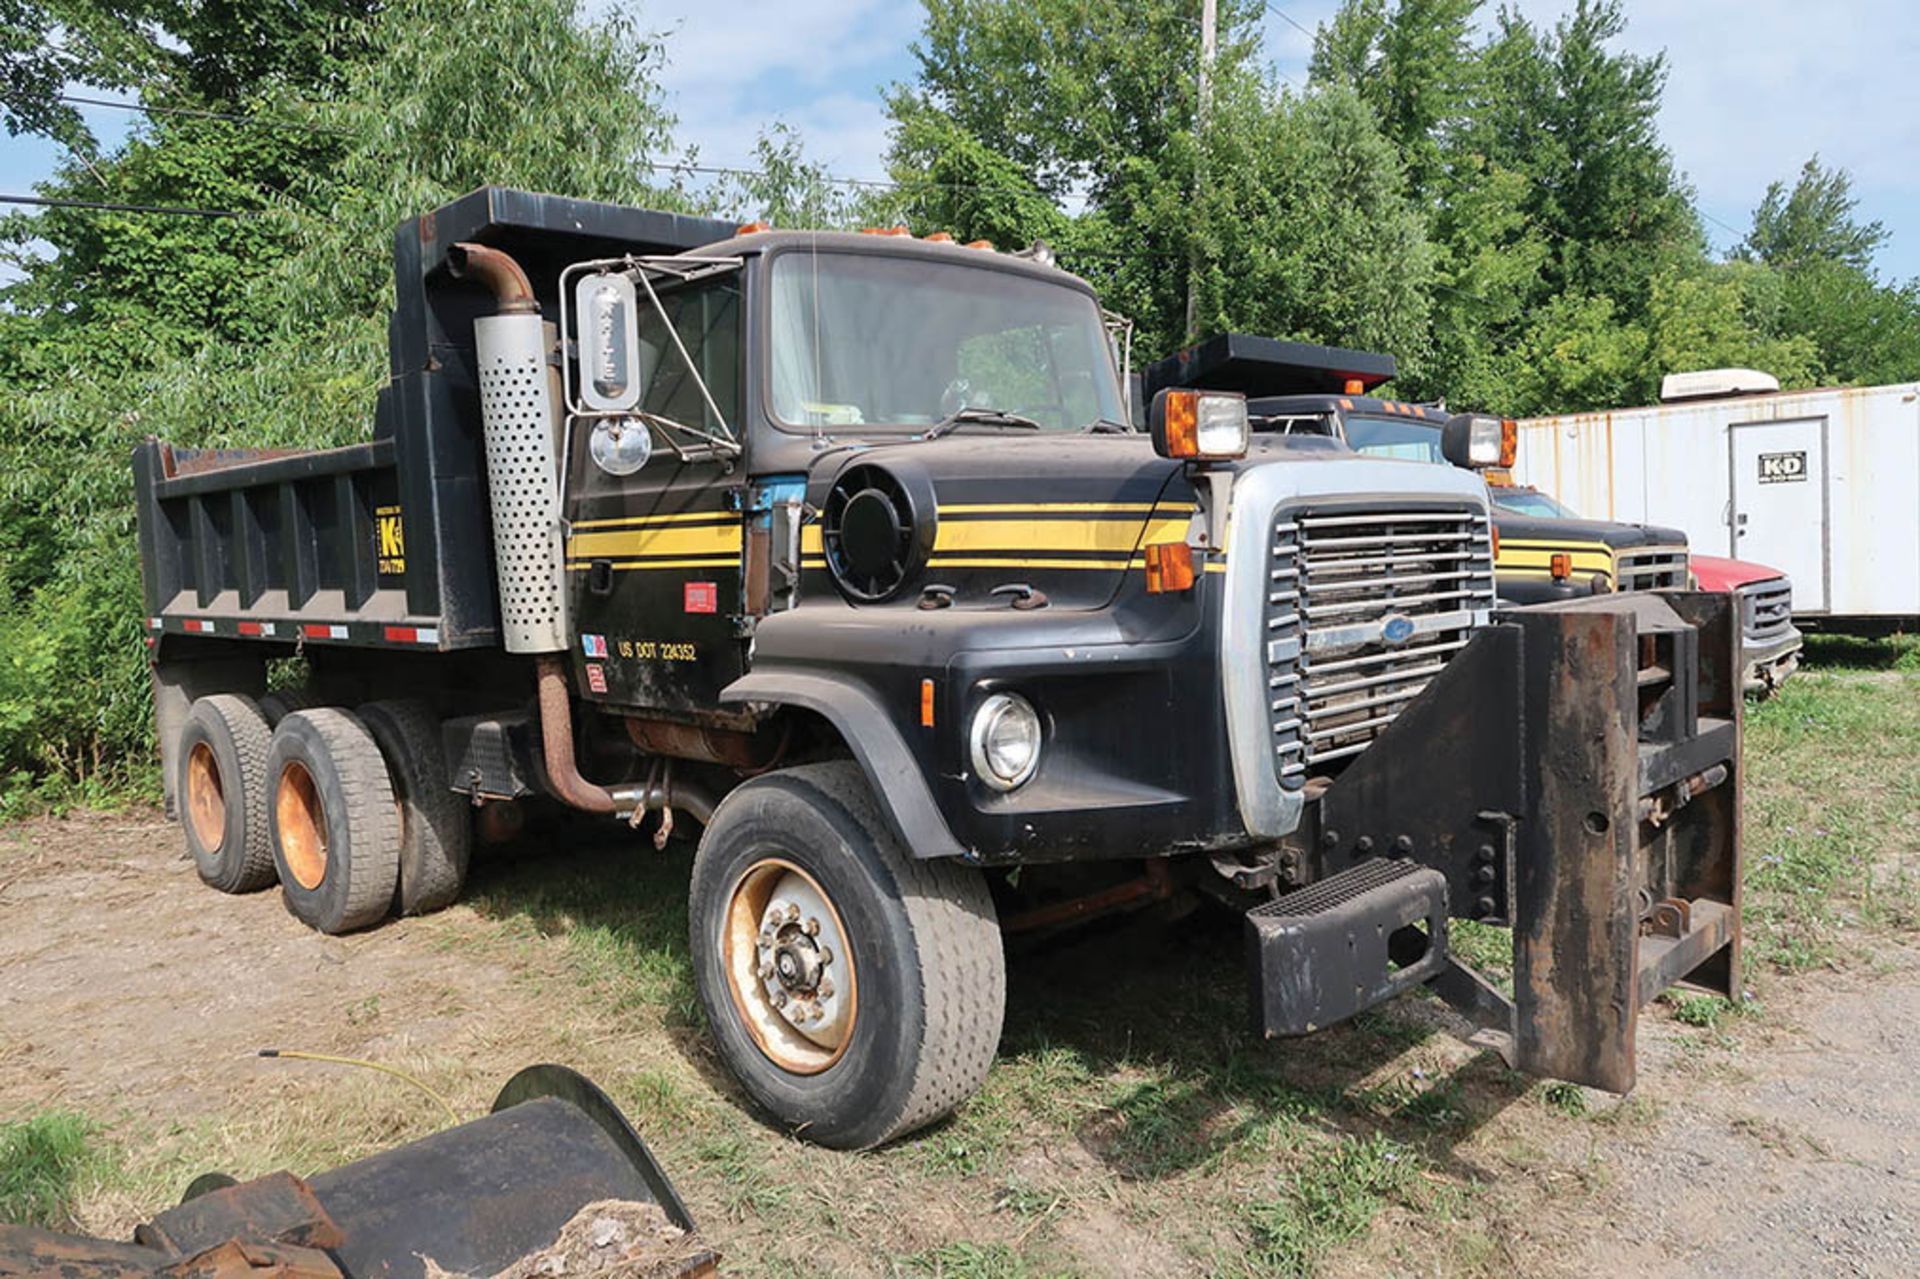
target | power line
[
  {"x": 198, "y": 114},
  {"x": 102, "y": 206},
  {"x": 1283, "y": 16}
]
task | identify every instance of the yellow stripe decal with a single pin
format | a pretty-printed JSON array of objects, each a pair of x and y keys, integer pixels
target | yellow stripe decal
[
  {"x": 1578, "y": 561},
  {"x": 634, "y": 543},
  {"x": 1043, "y": 508},
  {"x": 1042, "y": 535}
]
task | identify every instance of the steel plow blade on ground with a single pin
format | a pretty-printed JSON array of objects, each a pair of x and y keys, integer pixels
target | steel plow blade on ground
[{"x": 553, "y": 1181}]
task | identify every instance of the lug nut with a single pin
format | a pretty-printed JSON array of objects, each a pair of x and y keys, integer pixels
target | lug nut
[
  {"x": 1484, "y": 852},
  {"x": 811, "y": 927},
  {"x": 779, "y": 999},
  {"x": 824, "y": 989},
  {"x": 826, "y": 956},
  {"x": 1363, "y": 845},
  {"x": 1484, "y": 906},
  {"x": 1483, "y": 875},
  {"x": 1329, "y": 838},
  {"x": 1403, "y": 843}
]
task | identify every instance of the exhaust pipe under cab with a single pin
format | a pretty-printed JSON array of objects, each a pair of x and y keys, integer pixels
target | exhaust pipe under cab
[{"x": 1573, "y": 773}]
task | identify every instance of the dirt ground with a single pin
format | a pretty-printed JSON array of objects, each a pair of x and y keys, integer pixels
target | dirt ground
[{"x": 133, "y": 994}]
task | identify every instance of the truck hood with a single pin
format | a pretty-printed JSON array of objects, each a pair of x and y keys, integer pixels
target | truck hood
[
  {"x": 1537, "y": 529},
  {"x": 1065, "y": 515},
  {"x": 1717, "y": 573}
]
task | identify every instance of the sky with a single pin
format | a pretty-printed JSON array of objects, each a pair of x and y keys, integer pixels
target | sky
[{"x": 1754, "y": 88}]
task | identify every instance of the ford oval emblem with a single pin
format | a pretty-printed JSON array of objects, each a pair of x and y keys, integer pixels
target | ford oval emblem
[{"x": 1396, "y": 628}]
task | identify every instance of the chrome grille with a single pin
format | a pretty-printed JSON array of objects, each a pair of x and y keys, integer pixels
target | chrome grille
[
  {"x": 1363, "y": 608},
  {"x": 1653, "y": 569},
  {"x": 1766, "y": 610}
]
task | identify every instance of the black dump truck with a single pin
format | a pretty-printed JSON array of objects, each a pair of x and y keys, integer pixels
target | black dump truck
[
  {"x": 840, "y": 546},
  {"x": 1540, "y": 554}
]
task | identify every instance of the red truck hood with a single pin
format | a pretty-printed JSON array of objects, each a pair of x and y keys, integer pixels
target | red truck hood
[{"x": 1718, "y": 574}]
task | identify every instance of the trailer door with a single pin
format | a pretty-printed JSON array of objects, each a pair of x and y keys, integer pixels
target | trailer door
[{"x": 1779, "y": 507}]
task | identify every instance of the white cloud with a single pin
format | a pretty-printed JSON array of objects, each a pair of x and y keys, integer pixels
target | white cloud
[{"x": 818, "y": 66}]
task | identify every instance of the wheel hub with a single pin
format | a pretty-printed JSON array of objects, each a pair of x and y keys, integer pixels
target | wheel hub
[{"x": 795, "y": 964}]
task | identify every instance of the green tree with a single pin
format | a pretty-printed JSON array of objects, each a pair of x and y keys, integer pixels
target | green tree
[
  {"x": 530, "y": 95},
  {"x": 1414, "y": 64},
  {"x": 1812, "y": 223},
  {"x": 1286, "y": 215}
]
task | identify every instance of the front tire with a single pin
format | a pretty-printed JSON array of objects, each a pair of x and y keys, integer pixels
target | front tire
[{"x": 855, "y": 992}]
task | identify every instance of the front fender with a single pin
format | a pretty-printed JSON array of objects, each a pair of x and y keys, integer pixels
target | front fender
[{"x": 898, "y": 785}]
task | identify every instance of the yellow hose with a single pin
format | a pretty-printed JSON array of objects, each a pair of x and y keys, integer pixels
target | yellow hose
[{"x": 296, "y": 1054}]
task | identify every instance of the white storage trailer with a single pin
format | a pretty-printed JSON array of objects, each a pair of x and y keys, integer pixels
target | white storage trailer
[{"x": 1823, "y": 485}]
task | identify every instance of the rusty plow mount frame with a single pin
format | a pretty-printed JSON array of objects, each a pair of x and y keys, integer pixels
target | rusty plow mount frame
[{"x": 1574, "y": 774}]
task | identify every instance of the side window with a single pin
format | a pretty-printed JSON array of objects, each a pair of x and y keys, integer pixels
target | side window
[{"x": 706, "y": 318}]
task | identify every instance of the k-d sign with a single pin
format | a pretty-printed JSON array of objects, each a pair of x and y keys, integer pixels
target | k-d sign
[{"x": 1783, "y": 468}]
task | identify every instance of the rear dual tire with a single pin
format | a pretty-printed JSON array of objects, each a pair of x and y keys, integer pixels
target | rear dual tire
[
  {"x": 334, "y": 821},
  {"x": 220, "y": 790}
]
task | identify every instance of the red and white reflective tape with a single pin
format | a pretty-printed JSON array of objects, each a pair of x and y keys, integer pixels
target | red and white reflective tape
[
  {"x": 197, "y": 626},
  {"x": 324, "y": 630},
  {"x": 412, "y": 634},
  {"x": 257, "y": 628},
  {"x": 155, "y": 624}
]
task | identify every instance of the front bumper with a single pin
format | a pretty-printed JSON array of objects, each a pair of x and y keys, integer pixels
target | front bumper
[{"x": 1764, "y": 667}]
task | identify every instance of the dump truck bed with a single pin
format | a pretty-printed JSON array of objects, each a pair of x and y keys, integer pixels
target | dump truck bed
[{"x": 386, "y": 542}]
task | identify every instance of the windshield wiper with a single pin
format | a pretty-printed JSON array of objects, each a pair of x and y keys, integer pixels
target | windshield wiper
[
  {"x": 1106, "y": 426},
  {"x": 967, "y": 415}
]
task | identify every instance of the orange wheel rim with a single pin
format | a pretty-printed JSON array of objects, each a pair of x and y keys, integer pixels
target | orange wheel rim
[
  {"x": 302, "y": 824},
  {"x": 206, "y": 798},
  {"x": 790, "y": 967}
]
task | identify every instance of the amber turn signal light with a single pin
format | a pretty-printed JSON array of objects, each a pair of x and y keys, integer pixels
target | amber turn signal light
[
  {"x": 1562, "y": 564},
  {"x": 1169, "y": 567}
]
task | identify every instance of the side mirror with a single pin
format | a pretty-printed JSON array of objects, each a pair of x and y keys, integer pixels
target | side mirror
[
  {"x": 611, "y": 376},
  {"x": 1477, "y": 442}
]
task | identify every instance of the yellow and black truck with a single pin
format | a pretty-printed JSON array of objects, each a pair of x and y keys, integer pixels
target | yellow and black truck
[{"x": 841, "y": 547}]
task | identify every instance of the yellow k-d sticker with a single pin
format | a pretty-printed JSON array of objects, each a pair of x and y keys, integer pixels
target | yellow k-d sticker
[{"x": 390, "y": 541}]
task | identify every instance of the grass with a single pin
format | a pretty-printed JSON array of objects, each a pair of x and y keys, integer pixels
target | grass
[
  {"x": 1833, "y": 812},
  {"x": 1329, "y": 1199},
  {"x": 1128, "y": 1110},
  {"x": 46, "y": 1163}
]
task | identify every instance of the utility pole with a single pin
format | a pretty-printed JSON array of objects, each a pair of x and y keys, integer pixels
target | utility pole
[{"x": 1209, "y": 39}]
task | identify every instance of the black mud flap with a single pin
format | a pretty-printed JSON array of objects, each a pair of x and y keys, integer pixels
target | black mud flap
[{"x": 1574, "y": 773}]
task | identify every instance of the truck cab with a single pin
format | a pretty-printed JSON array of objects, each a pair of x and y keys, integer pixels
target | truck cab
[{"x": 842, "y": 547}]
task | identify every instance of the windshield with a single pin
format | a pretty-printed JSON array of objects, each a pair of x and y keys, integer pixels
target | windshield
[
  {"x": 863, "y": 339},
  {"x": 1530, "y": 502},
  {"x": 1395, "y": 437}
]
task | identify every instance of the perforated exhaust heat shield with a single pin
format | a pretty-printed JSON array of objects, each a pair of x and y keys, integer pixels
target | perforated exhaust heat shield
[{"x": 517, "y": 409}]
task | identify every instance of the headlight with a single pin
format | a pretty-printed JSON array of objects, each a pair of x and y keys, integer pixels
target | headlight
[
  {"x": 1005, "y": 740},
  {"x": 1203, "y": 425},
  {"x": 1477, "y": 441}
]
